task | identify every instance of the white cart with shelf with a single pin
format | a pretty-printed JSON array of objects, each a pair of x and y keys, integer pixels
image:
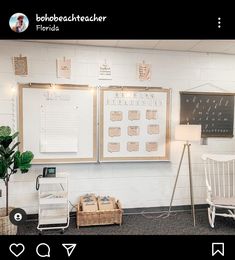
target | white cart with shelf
[{"x": 53, "y": 203}]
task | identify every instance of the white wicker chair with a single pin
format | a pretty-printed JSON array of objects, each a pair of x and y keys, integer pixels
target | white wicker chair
[{"x": 220, "y": 183}]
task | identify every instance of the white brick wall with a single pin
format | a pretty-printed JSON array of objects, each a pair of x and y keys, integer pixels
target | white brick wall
[{"x": 135, "y": 184}]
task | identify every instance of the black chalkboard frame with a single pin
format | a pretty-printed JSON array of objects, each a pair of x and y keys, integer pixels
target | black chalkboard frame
[{"x": 209, "y": 128}]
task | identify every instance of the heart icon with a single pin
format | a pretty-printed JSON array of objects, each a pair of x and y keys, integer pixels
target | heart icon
[{"x": 17, "y": 249}]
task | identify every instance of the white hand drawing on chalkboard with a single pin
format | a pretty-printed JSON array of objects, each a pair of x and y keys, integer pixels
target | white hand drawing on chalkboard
[
  {"x": 220, "y": 102},
  {"x": 208, "y": 108}
]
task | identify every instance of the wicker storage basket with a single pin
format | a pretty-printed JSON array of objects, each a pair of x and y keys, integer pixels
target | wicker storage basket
[
  {"x": 107, "y": 217},
  {"x": 6, "y": 227}
]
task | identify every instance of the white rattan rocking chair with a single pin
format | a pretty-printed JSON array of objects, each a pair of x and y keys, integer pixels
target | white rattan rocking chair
[{"x": 220, "y": 183}]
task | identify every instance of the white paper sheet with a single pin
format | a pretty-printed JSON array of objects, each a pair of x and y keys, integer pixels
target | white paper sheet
[
  {"x": 59, "y": 129},
  {"x": 64, "y": 68}
]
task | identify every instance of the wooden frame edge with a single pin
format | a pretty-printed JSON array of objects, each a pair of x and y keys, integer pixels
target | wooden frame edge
[
  {"x": 21, "y": 86},
  {"x": 166, "y": 157}
]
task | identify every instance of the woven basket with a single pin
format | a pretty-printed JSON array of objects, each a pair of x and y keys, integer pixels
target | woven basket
[
  {"x": 99, "y": 217},
  {"x": 6, "y": 227}
]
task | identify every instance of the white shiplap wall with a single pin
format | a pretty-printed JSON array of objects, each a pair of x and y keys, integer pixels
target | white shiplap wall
[{"x": 135, "y": 184}]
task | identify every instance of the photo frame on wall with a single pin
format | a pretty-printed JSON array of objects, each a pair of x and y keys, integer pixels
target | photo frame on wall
[
  {"x": 134, "y": 124},
  {"x": 214, "y": 111}
]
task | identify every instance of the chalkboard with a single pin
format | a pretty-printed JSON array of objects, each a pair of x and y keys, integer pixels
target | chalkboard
[{"x": 213, "y": 111}]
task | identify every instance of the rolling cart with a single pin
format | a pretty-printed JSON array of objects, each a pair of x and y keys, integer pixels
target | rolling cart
[{"x": 53, "y": 203}]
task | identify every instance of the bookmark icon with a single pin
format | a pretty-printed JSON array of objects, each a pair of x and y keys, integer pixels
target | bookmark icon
[
  {"x": 69, "y": 248},
  {"x": 217, "y": 248}
]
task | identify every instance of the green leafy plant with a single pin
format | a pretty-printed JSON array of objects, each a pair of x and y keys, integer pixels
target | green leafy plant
[{"x": 11, "y": 159}]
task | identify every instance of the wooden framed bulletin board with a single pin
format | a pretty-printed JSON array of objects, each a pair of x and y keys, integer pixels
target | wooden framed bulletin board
[
  {"x": 58, "y": 123},
  {"x": 214, "y": 111},
  {"x": 134, "y": 124}
]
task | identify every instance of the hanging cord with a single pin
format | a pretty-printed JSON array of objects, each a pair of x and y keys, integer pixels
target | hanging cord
[
  {"x": 73, "y": 206},
  {"x": 37, "y": 182},
  {"x": 208, "y": 84}
]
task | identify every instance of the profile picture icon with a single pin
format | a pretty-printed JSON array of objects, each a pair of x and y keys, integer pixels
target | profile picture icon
[{"x": 19, "y": 22}]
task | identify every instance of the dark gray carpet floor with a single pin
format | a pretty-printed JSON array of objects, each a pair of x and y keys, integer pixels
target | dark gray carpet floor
[{"x": 179, "y": 224}]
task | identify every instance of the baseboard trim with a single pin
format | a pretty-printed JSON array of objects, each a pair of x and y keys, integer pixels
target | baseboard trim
[
  {"x": 161, "y": 209},
  {"x": 147, "y": 210}
]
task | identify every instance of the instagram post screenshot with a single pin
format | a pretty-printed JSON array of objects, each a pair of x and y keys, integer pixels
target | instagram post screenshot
[{"x": 116, "y": 133}]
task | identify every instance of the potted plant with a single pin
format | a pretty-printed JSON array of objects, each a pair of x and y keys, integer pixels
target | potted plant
[{"x": 11, "y": 159}]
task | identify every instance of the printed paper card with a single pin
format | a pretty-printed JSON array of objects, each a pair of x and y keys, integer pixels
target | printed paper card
[
  {"x": 153, "y": 129},
  {"x": 133, "y": 146},
  {"x": 116, "y": 116},
  {"x": 133, "y": 115},
  {"x": 114, "y": 131},
  {"x": 151, "y": 146},
  {"x": 20, "y": 66},
  {"x": 113, "y": 147},
  {"x": 144, "y": 71},
  {"x": 151, "y": 114},
  {"x": 105, "y": 71},
  {"x": 133, "y": 130},
  {"x": 64, "y": 68}
]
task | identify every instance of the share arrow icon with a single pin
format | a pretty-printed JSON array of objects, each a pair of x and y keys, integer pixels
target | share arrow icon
[{"x": 69, "y": 248}]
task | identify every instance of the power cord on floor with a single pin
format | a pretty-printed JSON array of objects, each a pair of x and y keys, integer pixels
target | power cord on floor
[{"x": 164, "y": 214}]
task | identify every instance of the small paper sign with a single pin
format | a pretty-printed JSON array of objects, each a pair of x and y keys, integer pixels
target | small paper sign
[
  {"x": 144, "y": 71},
  {"x": 105, "y": 71},
  {"x": 116, "y": 116},
  {"x": 151, "y": 146},
  {"x": 133, "y": 130},
  {"x": 113, "y": 147},
  {"x": 20, "y": 66},
  {"x": 114, "y": 131},
  {"x": 153, "y": 129},
  {"x": 133, "y": 146},
  {"x": 64, "y": 68},
  {"x": 151, "y": 114},
  {"x": 133, "y": 115}
]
